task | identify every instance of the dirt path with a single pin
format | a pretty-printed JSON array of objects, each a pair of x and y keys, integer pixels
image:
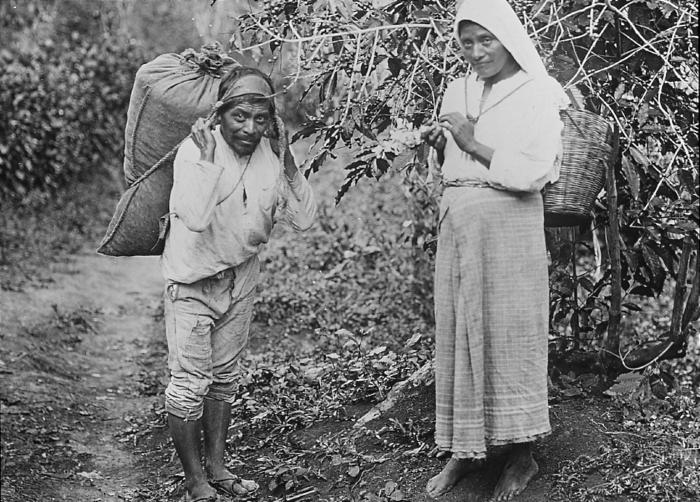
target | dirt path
[
  {"x": 74, "y": 359},
  {"x": 83, "y": 367}
]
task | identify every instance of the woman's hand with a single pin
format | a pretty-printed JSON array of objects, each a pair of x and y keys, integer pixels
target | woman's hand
[
  {"x": 462, "y": 130},
  {"x": 434, "y": 136},
  {"x": 204, "y": 139}
]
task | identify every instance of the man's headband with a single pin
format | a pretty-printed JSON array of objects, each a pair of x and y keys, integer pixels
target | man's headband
[{"x": 249, "y": 84}]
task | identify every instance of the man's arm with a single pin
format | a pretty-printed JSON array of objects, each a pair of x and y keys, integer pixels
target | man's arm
[
  {"x": 301, "y": 204},
  {"x": 195, "y": 179}
]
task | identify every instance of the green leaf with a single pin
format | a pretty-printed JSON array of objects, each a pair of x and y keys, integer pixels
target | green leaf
[
  {"x": 643, "y": 113},
  {"x": 586, "y": 283},
  {"x": 395, "y": 66},
  {"x": 631, "y": 175},
  {"x": 687, "y": 180},
  {"x": 639, "y": 157},
  {"x": 642, "y": 291},
  {"x": 653, "y": 262}
]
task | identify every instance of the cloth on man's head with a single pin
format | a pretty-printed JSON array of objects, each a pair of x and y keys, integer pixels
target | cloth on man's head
[
  {"x": 246, "y": 88},
  {"x": 498, "y": 17},
  {"x": 249, "y": 84}
]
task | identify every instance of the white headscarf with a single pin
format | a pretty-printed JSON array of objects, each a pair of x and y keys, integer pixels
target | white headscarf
[{"x": 498, "y": 17}]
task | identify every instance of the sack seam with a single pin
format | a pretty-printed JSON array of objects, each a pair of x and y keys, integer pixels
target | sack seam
[{"x": 139, "y": 114}]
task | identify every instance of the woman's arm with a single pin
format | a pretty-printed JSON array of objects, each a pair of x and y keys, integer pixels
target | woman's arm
[
  {"x": 462, "y": 130},
  {"x": 532, "y": 161},
  {"x": 527, "y": 163}
]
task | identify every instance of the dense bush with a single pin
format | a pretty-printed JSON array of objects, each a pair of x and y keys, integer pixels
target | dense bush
[
  {"x": 379, "y": 69},
  {"x": 63, "y": 106}
]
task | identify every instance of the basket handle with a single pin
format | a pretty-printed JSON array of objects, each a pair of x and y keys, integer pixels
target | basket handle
[{"x": 575, "y": 103}]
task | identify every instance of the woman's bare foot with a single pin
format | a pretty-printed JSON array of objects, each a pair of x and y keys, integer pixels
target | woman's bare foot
[
  {"x": 200, "y": 490},
  {"x": 455, "y": 470},
  {"x": 519, "y": 469}
]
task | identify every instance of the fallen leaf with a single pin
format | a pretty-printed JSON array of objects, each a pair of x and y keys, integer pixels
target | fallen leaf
[
  {"x": 92, "y": 475},
  {"x": 571, "y": 392},
  {"x": 342, "y": 332},
  {"x": 397, "y": 495},
  {"x": 414, "y": 339},
  {"x": 626, "y": 384}
]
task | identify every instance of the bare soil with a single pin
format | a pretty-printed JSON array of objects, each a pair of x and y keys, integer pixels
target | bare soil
[
  {"x": 83, "y": 367},
  {"x": 75, "y": 356}
]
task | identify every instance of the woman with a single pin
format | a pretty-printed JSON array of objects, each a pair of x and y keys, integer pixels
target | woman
[
  {"x": 498, "y": 142},
  {"x": 229, "y": 188}
]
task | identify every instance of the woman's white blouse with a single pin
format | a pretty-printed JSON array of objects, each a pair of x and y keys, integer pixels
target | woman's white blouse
[{"x": 519, "y": 120}]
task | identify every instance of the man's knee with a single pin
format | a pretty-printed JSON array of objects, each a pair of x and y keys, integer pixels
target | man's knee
[
  {"x": 223, "y": 388},
  {"x": 184, "y": 398}
]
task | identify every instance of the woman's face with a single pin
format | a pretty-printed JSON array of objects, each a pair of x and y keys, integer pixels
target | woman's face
[{"x": 484, "y": 52}]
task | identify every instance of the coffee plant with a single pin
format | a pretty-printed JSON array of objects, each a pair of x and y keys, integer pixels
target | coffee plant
[{"x": 376, "y": 71}]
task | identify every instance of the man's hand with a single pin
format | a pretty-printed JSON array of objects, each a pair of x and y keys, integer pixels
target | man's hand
[
  {"x": 462, "y": 130},
  {"x": 275, "y": 144},
  {"x": 204, "y": 139},
  {"x": 280, "y": 144},
  {"x": 278, "y": 136}
]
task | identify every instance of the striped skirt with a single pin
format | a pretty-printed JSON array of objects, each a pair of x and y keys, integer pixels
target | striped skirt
[{"x": 491, "y": 311}]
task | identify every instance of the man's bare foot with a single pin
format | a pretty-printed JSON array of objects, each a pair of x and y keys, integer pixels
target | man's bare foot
[
  {"x": 519, "y": 469},
  {"x": 455, "y": 470},
  {"x": 231, "y": 484}
]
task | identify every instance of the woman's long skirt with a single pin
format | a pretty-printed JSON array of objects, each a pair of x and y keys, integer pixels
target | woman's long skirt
[{"x": 491, "y": 310}]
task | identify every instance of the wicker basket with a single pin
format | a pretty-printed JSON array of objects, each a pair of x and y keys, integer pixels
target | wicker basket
[{"x": 588, "y": 150}]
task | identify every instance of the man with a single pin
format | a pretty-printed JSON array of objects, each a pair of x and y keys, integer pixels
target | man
[{"x": 229, "y": 188}]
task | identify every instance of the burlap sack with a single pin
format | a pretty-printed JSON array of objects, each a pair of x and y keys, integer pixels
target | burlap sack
[{"x": 168, "y": 96}]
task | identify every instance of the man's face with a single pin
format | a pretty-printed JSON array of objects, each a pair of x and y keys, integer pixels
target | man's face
[
  {"x": 484, "y": 52},
  {"x": 244, "y": 124}
]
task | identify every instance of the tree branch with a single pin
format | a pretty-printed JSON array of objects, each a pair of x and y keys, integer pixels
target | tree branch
[
  {"x": 611, "y": 341},
  {"x": 692, "y": 309},
  {"x": 681, "y": 285}
]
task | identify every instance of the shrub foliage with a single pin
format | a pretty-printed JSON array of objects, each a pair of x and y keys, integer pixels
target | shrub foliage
[
  {"x": 63, "y": 102},
  {"x": 378, "y": 70}
]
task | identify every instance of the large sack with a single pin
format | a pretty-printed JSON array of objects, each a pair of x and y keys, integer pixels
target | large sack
[
  {"x": 139, "y": 223},
  {"x": 168, "y": 96}
]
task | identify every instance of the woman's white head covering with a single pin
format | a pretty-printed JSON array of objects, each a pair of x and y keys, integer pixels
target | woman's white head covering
[{"x": 498, "y": 17}]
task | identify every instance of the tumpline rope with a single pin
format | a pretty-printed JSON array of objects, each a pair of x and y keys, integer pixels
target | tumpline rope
[{"x": 163, "y": 223}]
